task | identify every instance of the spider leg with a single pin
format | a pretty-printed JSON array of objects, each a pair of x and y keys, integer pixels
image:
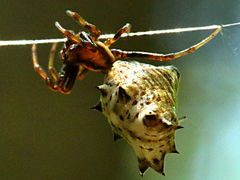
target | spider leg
[
  {"x": 164, "y": 57},
  {"x": 82, "y": 72},
  {"x": 68, "y": 33},
  {"x": 40, "y": 70},
  {"x": 125, "y": 29},
  {"x": 92, "y": 28},
  {"x": 51, "y": 68}
]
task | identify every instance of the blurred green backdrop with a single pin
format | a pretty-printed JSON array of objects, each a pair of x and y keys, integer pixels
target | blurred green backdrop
[{"x": 47, "y": 135}]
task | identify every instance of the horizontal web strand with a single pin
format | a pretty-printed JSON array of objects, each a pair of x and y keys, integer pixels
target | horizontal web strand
[{"x": 106, "y": 36}]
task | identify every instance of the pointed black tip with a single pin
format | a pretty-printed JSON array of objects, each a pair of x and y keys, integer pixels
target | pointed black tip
[
  {"x": 175, "y": 151},
  {"x": 142, "y": 165},
  {"x": 142, "y": 170},
  {"x": 97, "y": 107},
  {"x": 102, "y": 89},
  {"x": 123, "y": 96},
  {"x": 161, "y": 171},
  {"x": 179, "y": 127},
  {"x": 116, "y": 136}
]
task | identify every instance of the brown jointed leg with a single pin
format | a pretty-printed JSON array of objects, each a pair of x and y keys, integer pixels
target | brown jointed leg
[
  {"x": 163, "y": 57},
  {"x": 67, "y": 33},
  {"x": 51, "y": 68},
  {"x": 40, "y": 70},
  {"x": 81, "y": 74},
  {"x": 36, "y": 65},
  {"x": 92, "y": 28},
  {"x": 124, "y": 29}
]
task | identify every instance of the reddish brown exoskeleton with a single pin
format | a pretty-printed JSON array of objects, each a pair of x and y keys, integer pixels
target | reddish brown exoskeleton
[{"x": 84, "y": 51}]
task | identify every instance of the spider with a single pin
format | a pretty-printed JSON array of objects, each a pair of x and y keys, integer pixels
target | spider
[{"x": 84, "y": 52}]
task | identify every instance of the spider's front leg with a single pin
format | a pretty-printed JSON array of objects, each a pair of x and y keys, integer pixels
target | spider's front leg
[
  {"x": 50, "y": 83},
  {"x": 125, "y": 29},
  {"x": 164, "y": 57},
  {"x": 92, "y": 28},
  {"x": 61, "y": 82}
]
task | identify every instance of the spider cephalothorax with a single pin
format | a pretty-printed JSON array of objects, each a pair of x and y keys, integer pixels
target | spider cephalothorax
[
  {"x": 84, "y": 51},
  {"x": 139, "y": 101},
  {"x": 88, "y": 54}
]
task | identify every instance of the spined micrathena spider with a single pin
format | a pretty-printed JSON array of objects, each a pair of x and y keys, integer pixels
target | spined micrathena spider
[
  {"x": 138, "y": 99},
  {"x": 83, "y": 52}
]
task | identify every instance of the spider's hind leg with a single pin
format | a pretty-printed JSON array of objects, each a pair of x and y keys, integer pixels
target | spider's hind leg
[{"x": 164, "y": 57}]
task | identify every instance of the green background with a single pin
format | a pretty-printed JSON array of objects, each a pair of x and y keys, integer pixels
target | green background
[{"x": 47, "y": 135}]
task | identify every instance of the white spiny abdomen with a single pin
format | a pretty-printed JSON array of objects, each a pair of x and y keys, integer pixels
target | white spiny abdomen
[{"x": 139, "y": 102}]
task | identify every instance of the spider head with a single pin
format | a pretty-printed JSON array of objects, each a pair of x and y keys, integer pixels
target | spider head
[{"x": 82, "y": 49}]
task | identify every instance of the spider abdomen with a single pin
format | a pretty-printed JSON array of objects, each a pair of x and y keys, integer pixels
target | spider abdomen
[{"x": 139, "y": 102}]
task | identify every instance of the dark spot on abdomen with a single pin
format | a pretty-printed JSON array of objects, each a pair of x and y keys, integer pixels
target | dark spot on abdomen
[
  {"x": 156, "y": 161},
  {"x": 121, "y": 117}
]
